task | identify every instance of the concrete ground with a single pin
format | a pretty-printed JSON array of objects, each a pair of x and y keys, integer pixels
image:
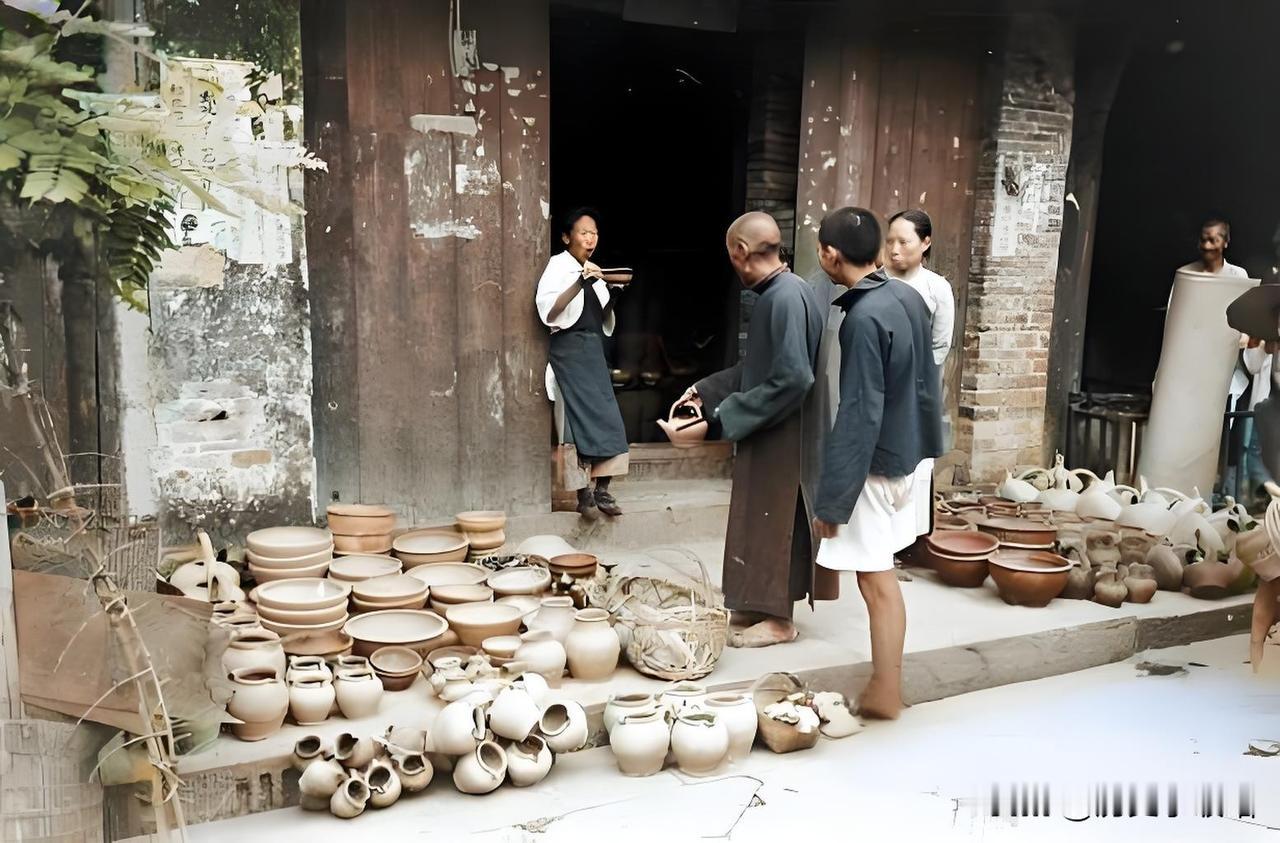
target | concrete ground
[{"x": 1184, "y": 715}]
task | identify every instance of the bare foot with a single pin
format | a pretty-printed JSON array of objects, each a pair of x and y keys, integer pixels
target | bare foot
[
  {"x": 766, "y": 633},
  {"x": 880, "y": 703},
  {"x": 741, "y": 618}
]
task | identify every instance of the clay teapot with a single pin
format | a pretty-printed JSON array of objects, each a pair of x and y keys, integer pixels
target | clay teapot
[
  {"x": 1016, "y": 489},
  {"x": 684, "y": 425},
  {"x": 1060, "y": 497}
]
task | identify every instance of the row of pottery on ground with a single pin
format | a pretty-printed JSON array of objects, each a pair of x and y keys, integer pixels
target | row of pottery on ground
[{"x": 309, "y": 690}]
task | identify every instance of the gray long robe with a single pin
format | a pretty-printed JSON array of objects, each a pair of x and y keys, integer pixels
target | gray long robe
[{"x": 766, "y": 404}]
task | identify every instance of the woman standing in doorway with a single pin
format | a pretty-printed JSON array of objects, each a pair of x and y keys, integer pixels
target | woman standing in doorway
[
  {"x": 576, "y": 304},
  {"x": 907, "y": 245}
]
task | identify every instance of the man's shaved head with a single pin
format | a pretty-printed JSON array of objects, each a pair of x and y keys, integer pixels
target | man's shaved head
[
  {"x": 756, "y": 231},
  {"x": 754, "y": 242}
]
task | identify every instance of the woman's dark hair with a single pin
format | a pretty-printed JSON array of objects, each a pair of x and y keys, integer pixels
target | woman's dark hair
[
  {"x": 853, "y": 232},
  {"x": 571, "y": 218},
  {"x": 920, "y": 221}
]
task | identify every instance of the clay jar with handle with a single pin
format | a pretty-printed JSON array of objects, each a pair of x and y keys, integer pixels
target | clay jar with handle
[
  {"x": 680, "y": 696},
  {"x": 482, "y": 770},
  {"x": 415, "y": 771},
  {"x": 384, "y": 784},
  {"x": 458, "y": 727},
  {"x": 260, "y": 699},
  {"x": 555, "y": 614},
  {"x": 254, "y": 647},
  {"x": 310, "y": 701},
  {"x": 700, "y": 742},
  {"x": 350, "y": 799},
  {"x": 307, "y": 750},
  {"x": 321, "y": 779},
  {"x": 738, "y": 714},
  {"x": 359, "y": 693},
  {"x": 640, "y": 742},
  {"x": 623, "y": 704},
  {"x": 592, "y": 646},
  {"x": 564, "y": 725},
  {"x": 513, "y": 714},
  {"x": 528, "y": 761},
  {"x": 308, "y": 669}
]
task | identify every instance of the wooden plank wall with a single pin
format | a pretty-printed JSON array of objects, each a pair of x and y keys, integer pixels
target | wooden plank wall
[
  {"x": 424, "y": 250},
  {"x": 889, "y": 130}
]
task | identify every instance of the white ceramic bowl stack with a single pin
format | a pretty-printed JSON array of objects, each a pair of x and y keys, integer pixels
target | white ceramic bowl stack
[
  {"x": 361, "y": 527},
  {"x": 282, "y": 553},
  {"x": 430, "y": 547},
  {"x": 393, "y": 591},
  {"x": 359, "y": 567},
  {"x": 303, "y": 605}
]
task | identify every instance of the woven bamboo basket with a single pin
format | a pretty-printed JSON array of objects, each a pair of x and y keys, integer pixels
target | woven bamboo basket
[
  {"x": 671, "y": 630},
  {"x": 780, "y": 737}
]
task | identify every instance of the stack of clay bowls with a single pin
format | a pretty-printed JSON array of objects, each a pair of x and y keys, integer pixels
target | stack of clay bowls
[
  {"x": 483, "y": 529},
  {"x": 361, "y": 527},
  {"x": 310, "y": 607},
  {"x": 574, "y": 564},
  {"x": 960, "y": 557},
  {"x": 430, "y": 547},
  {"x": 449, "y": 573},
  {"x": 281, "y": 553},
  {"x": 396, "y": 666},
  {"x": 360, "y": 567},
  {"x": 392, "y": 591},
  {"x": 444, "y": 596}
]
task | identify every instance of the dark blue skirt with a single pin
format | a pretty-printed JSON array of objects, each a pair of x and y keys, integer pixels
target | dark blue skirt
[{"x": 593, "y": 422}]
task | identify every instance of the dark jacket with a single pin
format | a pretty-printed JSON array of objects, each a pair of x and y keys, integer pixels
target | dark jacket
[{"x": 890, "y": 410}]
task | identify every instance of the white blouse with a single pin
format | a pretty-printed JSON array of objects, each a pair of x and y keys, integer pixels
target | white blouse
[
  {"x": 562, "y": 272},
  {"x": 936, "y": 292}
]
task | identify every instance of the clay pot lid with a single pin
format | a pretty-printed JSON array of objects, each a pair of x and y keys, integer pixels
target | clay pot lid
[
  {"x": 396, "y": 626},
  {"x": 483, "y": 614},
  {"x": 359, "y": 510},
  {"x": 448, "y": 573},
  {"x": 429, "y": 541},
  {"x": 301, "y": 593},
  {"x": 389, "y": 587},
  {"x": 395, "y": 659},
  {"x": 1035, "y": 562},
  {"x": 288, "y": 541},
  {"x": 963, "y": 543},
  {"x": 482, "y": 520},
  {"x": 363, "y": 566}
]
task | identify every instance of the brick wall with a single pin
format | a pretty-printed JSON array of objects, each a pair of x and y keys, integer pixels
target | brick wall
[{"x": 1017, "y": 224}]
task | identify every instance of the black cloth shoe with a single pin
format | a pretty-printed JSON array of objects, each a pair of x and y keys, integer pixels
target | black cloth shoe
[
  {"x": 585, "y": 501},
  {"x": 607, "y": 503}
]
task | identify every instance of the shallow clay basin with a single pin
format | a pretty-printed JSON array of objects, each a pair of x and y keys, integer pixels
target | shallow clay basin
[
  {"x": 450, "y": 573},
  {"x": 288, "y": 542},
  {"x": 301, "y": 594},
  {"x": 531, "y": 579},
  {"x": 474, "y": 622},
  {"x": 1029, "y": 578},
  {"x": 358, "y": 568},
  {"x": 963, "y": 544},
  {"x": 1019, "y": 531},
  {"x": 423, "y": 547},
  {"x": 413, "y": 628},
  {"x": 392, "y": 588}
]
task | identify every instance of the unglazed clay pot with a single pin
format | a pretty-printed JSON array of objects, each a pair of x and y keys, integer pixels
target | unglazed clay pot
[
  {"x": 254, "y": 648},
  {"x": 539, "y": 652},
  {"x": 640, "y": 742},
  {"x": 528, "y": 761},
  {"x": 359, "y": 693},
  {"x": 310, "y": 701},
  {"x": 308, "y": 669},
  {"x": 1031, "y": 579},
  {"x": 384, "y": 784},
  {"x": 700, "y": 742},
  {"x": 1166, "y": 564},
  {"x": 680, "y": 696},
  {"x": 620, "y": 705},
  {"x": 1108, "y": 589},
  {"x": 350, "y": 798},
  {"x": 458, "y": 727},
  {"x": 321, "y": 778},
  {"x": 592, "y": 646},
  {"x": 1141, "y": 583},
  {"x": 415, "y": 771},
  {"x": 481, "y": 770},
  {"x": 260, "y": 699},
  {"x": 1210, "y": 579},
  {"x": 513, "y": 714},
  {"x": 564, "y": 725},
  {"x": 555, "y": 614},
  {"x": 307, "y": 750},
  {"x": 738, "y": 714},
  {"x": 352, "y": 752}
]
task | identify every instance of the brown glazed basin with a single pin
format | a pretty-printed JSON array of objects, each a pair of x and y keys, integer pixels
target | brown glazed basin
[
  {"x": 1019, "y": 531},
  {"x": 958, "y": 572},
  {"x": 1211, "y": 579},
  {"x": 1029, "y": 578},
  {"x": 973, "y": 545}
]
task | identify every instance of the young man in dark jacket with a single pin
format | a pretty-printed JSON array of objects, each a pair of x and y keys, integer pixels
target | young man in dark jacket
[{"x": 888, "y": 420}]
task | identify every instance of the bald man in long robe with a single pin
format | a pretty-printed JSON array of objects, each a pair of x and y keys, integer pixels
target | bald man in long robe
[{"x": 763, "y": 405}]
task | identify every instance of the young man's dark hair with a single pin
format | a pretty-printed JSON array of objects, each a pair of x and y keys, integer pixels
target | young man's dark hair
[{"x": 854, "y": 232}]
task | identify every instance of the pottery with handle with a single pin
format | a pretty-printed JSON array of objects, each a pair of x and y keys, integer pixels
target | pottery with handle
[
  {"x": 415, "y": 771},
  {"x": 640, "y": 742},
  {"x": 260, "y": 700},
  {"x": 458, "y": 727},
  {"x": 254, "y": 648},
  {"x": 359, "y": 693},
  {"x": 738, "y": 713},
  {"x": 310, "y": 701},
  {"x": 384, "y": 784},
  {"x": 700, "y": 742},
  {"x": 306, "y": 750},
  {"x": 513, "y": 714},
  {"x": 350, "y": 799},
  {"x": 620, "y": 705},
  {"x": 353, "y": 752},
  {"x": 684, "y": 425},
  {"x": 528, "y": 761},
  {"x": 555, "y": 614},
  {"x": 321, "y": 778},
  {"x": 481, "y": 770},
  {"x": 564, "y": 725}
]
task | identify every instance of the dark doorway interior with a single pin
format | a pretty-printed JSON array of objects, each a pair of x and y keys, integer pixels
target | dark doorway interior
[
  {"x": 649, "y": 126},
  {"x": 1192, "y": 135}
]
